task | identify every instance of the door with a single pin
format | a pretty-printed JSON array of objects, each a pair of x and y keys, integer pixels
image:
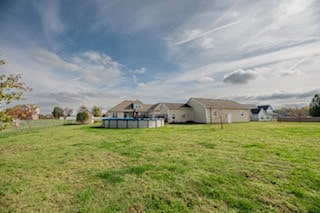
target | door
[{"x": 229, "y": 118}]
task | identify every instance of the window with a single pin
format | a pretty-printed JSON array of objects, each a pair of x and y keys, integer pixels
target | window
[
  {"x": 241, "y": 113},
  {"x": 215, "y": 113},
  {"x": 136, "y": 106},
  {"x": 173, "y": 116},
  {"x": 114, "y": 114}
]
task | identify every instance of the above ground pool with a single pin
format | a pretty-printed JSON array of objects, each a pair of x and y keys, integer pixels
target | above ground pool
[{"x": 129, "y": 123}]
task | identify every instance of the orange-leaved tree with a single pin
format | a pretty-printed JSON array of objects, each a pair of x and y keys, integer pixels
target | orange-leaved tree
[{"x": 12, "y": 88}]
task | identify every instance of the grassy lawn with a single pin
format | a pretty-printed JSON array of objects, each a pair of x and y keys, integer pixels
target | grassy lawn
[{"x": 271, "y": 167}]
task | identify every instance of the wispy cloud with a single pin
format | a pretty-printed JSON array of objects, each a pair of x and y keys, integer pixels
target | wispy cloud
[
  {"x": 205, "y": 33},
  {"x": 108, "y": 51},
  {"x": 140, "y": 71},
  {"x": 49, "y": 12}
]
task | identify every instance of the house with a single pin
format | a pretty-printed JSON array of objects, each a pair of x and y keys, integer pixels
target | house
[
  {"x": 198, "y": 110},
  {"x": 129, "y": 109},
  {"x": 262, "y": 113},
  {"x": 217, "y": 111},
  {"x": 25, "y": 111},
  {"x": 173, "y": 112}
]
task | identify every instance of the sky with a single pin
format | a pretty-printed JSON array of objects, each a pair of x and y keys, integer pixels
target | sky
[{"x": 74, "y": 53}]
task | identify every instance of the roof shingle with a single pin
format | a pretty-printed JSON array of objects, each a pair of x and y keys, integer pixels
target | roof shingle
[{"x": 218, "y": 103}]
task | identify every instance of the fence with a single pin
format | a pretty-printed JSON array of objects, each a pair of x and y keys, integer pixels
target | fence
[
  {"x": 31, "y": 124},
  {"x": 295, "y": 119}
]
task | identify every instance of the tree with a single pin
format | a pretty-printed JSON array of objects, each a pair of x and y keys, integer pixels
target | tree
[
  {"x": 315, "y": 106},
  {"x": 23, "y": 112},
  {"x": 299, "y": 112},
  {"x": 57, "y": 112},
  {"x": 82, "y": 117},
  {"x": 96, "y": 111},
  {"x": 82, "y": 114},
  {"x": 219, "y": 113},
  {"x": 67, "y": 112},
  {"x": 83, "y": 108},
  {"x": 11, "y": 89}
]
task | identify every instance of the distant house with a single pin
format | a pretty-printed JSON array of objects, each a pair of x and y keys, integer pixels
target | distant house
[
  {"x": 215, "y": 111},
  {"x": 198, "y": 110},
  {"x": 25, "y": 111},
  {"x": 129, "y": 109},
  {"x": 262, "y": 113}
]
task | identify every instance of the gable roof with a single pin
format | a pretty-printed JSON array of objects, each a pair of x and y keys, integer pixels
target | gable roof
[
  {"x": 127, "y": 106},
  {"x": 218, "y": 103},
  {"x": 265, "y": 107},
  {"x": 255, "y": 111},
  {"x": 177, "y": 106}
]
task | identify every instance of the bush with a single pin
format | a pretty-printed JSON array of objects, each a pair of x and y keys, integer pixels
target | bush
[{"x": 82, "y": 117}]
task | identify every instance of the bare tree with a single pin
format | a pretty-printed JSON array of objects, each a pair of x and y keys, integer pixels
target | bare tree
[
  {"x": 299, "y": 112},
  {"x": 218, "y": 112}
]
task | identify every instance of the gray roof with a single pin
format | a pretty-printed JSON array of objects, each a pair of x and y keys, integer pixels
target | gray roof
[
  {"x": 265, "y": 107},
  {"x": 127, "y": 106},
  {"x": 218, "y": 103},
  {"x": 177, "y": 106},
  {"x": 255, "y": 111}
]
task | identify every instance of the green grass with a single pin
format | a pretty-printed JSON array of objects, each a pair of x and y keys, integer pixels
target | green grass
[{"x": 252, "y": 167}]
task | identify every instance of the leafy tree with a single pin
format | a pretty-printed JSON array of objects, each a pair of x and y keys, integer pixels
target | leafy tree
[
  {"x": 82, "y": 117},
  {"x": 11, "y": 89},
  {"x": 23, "y": 112},
  {"x": 57, "y": 112},
  {"x": 315, "y": 106},
  {"x": 83, "y": 108},
  {"x": 96, "y": 111},
  {"x": 67, "y": 112}
]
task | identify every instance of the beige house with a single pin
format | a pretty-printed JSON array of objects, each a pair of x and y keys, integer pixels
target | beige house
[
  {"x": 198, "y": 110},
  {"x": 216, "y": 111},
  {"x": 129, "y": 109},
  {"x": 174, "y": 112}
]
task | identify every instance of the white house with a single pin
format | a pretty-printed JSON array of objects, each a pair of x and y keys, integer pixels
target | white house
[{"x": 262, "y": 113}]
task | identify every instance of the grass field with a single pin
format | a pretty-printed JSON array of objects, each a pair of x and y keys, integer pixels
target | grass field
[{"x": 252, "y": 167}]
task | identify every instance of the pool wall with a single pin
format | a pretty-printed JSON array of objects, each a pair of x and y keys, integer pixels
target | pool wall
[{"x": 122, "y": 123}]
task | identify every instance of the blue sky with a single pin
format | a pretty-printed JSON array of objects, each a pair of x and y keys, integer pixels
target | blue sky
[{"x": 101, "y": 52}]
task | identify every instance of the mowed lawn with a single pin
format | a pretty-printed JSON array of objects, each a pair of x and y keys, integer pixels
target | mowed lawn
[{"x": 178, "y": 168}]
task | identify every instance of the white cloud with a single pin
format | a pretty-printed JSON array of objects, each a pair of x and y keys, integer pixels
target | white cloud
[
  {"x": 196, "y": 33},
  {"x": 292, "y": 7},
  {"x": 240, "y": 76},
  {"x": 141, "y": 85},
  {"x": 282, "y": 55},
  {"x": 53, "y": 59},
  {"x": 142, "y": 70},
  {"x": 206, "y": 79}
]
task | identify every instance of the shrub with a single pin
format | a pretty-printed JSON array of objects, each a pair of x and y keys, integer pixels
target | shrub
[{"x": 82, "y": 117}]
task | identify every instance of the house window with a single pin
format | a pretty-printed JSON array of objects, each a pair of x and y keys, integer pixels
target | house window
[
  {"x": 114, "y": 114},
  {"x": 136, "y": 106},
  {"x": 215, "y": 113},
  {"x": 173, "y": 116},
  {"x": 241, "y": 113}
]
